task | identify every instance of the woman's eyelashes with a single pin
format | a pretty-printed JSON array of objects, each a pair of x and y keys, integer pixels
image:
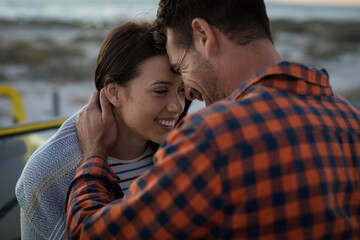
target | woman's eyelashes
[
  {"x": 164, "y": 90},
  {"x": 161, "y": 90}
]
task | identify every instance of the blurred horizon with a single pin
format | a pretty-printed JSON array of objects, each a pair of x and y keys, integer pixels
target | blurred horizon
[{"x": 349, "y": 3}]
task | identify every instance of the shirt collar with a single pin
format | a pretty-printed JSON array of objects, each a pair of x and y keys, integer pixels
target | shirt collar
[{"x": 290, "y": 72}]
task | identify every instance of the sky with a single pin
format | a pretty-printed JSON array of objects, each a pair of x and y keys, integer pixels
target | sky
[{"x": 325, "y": 2}]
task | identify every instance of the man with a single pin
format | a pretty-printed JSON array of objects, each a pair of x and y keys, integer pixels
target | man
[{"x": 276, "y": 157}]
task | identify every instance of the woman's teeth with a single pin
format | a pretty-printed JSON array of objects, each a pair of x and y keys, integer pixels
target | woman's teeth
[{"x": 167, "y": 123}]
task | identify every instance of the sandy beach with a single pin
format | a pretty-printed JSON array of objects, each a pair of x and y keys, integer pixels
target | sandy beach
[{"x": 41, "y": 59}]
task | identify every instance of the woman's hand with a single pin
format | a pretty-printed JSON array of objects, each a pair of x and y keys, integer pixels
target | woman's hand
[{"x": 96, "y": 127}]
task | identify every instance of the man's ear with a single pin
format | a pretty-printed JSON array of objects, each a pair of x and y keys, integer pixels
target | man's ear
[
  {"x": 112, "y": 92},
  {"x": 204, "y": 36}
]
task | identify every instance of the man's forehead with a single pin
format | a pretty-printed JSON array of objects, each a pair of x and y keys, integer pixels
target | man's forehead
[
  {"x": 170, "y": 47},
  {"x": 169, "y": 38}
]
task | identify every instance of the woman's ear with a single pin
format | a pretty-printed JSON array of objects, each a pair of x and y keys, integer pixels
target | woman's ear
[{"x": 112, "y": 92}]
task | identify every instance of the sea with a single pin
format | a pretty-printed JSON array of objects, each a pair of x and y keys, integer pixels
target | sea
[{"x": 99, "y": 11}]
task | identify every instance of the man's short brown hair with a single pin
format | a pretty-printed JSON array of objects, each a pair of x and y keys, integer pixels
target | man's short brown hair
[{"x": 242, "y": 21}]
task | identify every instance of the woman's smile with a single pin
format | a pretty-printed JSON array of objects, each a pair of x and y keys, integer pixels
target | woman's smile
[{"x": 166, "y": 123}]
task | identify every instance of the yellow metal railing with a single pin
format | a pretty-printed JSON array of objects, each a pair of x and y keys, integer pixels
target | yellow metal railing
[
  {"x": 23, "y": 128},
  {"x": 16, "y": 102}
]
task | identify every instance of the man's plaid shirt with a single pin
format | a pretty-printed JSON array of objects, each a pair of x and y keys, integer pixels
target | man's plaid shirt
[{"x": 278, "y": 159}]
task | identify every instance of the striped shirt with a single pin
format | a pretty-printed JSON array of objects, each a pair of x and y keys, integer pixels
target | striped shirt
[
  {"x": 278, "y": 159},
  {"x": 128, "y": 170}
]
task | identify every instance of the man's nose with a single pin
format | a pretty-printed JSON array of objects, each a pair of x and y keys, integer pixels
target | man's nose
[{"x": 188, "y": 94}]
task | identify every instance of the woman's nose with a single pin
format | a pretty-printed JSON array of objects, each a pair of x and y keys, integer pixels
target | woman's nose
[{"x": 176, "y": 104}]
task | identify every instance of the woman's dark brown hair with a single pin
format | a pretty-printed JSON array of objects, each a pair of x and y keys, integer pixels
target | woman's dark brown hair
[{"x": 122, "y": 51}]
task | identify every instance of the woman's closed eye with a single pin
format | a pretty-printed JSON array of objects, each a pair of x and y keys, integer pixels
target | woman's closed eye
[{"x": 161, "y": 90}]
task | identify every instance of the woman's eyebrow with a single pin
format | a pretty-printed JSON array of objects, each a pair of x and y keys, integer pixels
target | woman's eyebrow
[{"x": 162, "y": 82}]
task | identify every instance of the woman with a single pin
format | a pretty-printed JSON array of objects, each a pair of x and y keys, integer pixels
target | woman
[{"x": 147, "y": 100}]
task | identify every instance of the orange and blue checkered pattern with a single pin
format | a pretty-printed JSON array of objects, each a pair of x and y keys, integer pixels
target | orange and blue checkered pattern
[{"x": 278, "y": 159}]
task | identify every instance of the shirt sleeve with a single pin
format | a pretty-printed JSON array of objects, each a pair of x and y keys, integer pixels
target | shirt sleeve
[{"x": 180, "y": 197}]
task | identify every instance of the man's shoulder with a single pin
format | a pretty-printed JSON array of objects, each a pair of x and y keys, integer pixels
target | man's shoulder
[
  {"x": 231, "y": 122},
  {"x": 224, "y": 112}
]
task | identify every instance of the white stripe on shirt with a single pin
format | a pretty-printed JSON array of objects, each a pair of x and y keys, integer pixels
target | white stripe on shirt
[{"x": 129, "y": 170}]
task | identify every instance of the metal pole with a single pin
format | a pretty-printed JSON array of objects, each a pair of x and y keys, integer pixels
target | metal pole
[{"x": 56, "y": 103}]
